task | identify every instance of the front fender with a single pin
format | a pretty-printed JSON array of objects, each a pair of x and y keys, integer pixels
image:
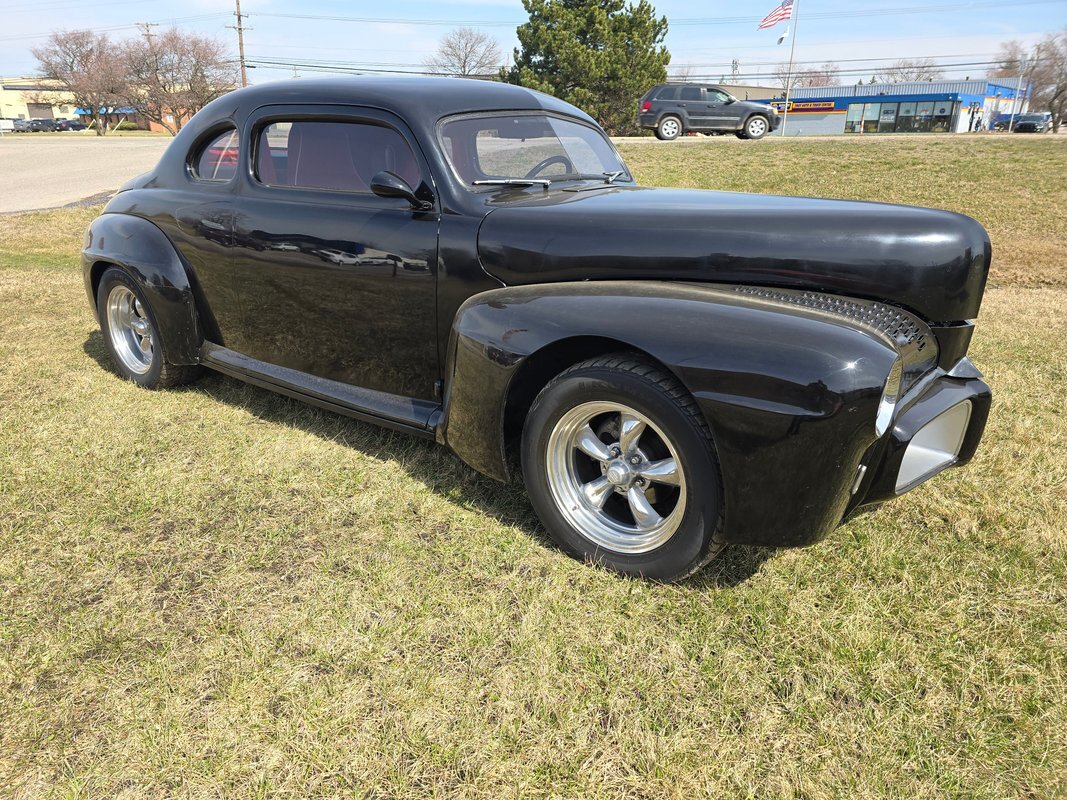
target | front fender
[
  {"x": 790, "y": 393},
  {"x": 144, "y": 251}
]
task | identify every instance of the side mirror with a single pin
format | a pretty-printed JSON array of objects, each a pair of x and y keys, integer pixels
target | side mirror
[{"x": 389, "y": 184}]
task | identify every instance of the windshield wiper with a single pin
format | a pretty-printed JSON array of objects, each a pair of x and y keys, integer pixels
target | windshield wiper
[
  {"x": 542, "y": 182},
  {"x": 607, "y": 177}
]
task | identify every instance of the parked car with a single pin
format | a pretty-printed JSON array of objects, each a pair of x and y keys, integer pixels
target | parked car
[
  {"x": 1033, "y": 123},
  {"x": 70, "y": 125},
  {"x": 1006, "y": 122},
  {"x": 673, "y": 109},
  {"x": 672, "y": 370},
  {"x": 42, "y": 124},
  {"x": 21, "y": 126}
]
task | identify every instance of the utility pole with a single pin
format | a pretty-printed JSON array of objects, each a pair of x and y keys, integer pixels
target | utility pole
[
  {"x": 789, "y": 74},
  {"x": 146, "y": 27},
  {"x": 240, "y": 28},
  {"x": 1018, "y": 95}
]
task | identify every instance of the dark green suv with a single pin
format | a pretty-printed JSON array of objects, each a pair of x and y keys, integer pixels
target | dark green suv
[{"x": 671, "y": 109}]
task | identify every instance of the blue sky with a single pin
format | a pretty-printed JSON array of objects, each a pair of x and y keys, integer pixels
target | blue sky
[{"x": 705, "y": 35}]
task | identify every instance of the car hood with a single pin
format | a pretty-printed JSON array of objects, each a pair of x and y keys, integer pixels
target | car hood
[
  {"x": 932, "y": 262},
  {"x": 751, "y": 105}
]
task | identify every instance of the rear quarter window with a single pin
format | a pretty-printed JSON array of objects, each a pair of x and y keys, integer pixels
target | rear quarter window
[
  {"x": 667, "y": 93},
  {"x": 217, "y": 160}
]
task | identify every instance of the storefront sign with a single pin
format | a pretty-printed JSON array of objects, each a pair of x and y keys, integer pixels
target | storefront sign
[{"x": 814, "y": 107}]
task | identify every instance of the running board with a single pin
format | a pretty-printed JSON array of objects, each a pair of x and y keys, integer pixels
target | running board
[{"x": 406, "y": 414}]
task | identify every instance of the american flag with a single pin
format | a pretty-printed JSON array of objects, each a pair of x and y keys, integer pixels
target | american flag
[{"x": 780, "y": 14}]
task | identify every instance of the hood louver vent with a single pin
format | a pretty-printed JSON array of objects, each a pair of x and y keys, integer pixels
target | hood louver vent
[{"x": 916, "y": 343}]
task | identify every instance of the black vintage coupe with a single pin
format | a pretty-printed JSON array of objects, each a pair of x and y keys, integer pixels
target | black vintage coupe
[{"x": 473, "y": 263}]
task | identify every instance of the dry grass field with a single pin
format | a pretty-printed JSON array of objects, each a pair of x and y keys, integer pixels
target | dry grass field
[{"x": 220, "y": 592}]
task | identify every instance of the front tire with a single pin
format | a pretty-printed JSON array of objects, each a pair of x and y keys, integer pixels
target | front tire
[
  {"x": 619, "y": 465},
  {"x": 669, "y": 128},
  {"x": 132, "y": 336},
  {"x": 756, "y": 127}
]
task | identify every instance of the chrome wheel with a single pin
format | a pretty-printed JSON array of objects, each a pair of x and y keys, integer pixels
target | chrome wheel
[
  {"x": 757, "y": 126},
  {"x": 615, "y": 477},
  {"x": 130, "y": 330},
  {"x": 670, "y": 128}
]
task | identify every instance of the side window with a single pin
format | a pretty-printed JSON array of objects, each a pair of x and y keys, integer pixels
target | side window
[
  {"x": 217, "y": 161},
  {"x": 690, "y": 93},
  {"x": 321, "y": 154},
  {"x": 667, "y": 93},
  {"x": 715, "y": 96}
]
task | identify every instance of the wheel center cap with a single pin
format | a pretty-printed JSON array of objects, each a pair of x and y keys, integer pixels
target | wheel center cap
[{"x": 618, "y": 474}]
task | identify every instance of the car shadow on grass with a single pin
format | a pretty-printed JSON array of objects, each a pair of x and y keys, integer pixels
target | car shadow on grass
[{"x": 434, "y": 466}]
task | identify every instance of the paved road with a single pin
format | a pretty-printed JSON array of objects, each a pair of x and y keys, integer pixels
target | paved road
[{"x": 55, "y": 169}]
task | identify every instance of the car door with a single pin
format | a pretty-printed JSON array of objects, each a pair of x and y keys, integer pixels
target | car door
[
  {"x": 722, "y": 113},
  {"x": 335, "y": 281},
  {"x": 691, "y": 100}
]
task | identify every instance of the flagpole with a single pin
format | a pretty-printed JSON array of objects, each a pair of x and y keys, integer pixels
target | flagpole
[{"x": 789, "y": 71}]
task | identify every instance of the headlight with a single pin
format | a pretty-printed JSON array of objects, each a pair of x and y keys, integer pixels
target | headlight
[{"x": 890, "y": 395}]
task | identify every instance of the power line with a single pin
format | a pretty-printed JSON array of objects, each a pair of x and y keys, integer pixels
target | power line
[
  {"x": 349, "y": 68},
  {"x": 63, "y": 5},
  {"x": 733, "y": 66},
  {"x": 817, "y": 63},
  {"x": 675, "y": 22},
  {"x": 112, "y": 28}
]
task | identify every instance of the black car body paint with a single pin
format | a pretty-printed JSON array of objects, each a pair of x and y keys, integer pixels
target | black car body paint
[{"x": 783, "y": 317}]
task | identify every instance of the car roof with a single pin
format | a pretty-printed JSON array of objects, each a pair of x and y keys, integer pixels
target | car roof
[
  {"x": 689, "y": 83},
  {"x": 419, "y": 101},
  {"x": 409, "y": 97}
]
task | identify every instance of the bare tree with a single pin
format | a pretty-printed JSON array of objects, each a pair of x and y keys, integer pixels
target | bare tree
[
  {"x": 1043, "y": 70},
  {"x": 907, "y": 70},
  {"x": 85, "y": 68},
  {"x": 681, "y": 73},
  {"x": 172, "y": 75},
  {"x": 466, "y": 53},
  {"x": 825, "y": 75}
]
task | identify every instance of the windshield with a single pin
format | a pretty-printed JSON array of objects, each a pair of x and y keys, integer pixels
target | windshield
[
  {"x": 1032, "y": 118},
  {"x": 494, "y": 148}
]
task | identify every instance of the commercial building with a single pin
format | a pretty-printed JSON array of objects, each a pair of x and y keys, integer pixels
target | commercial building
[
  {"x": 40, "y": 98},
  {"x": 743, "y": 91},
  {"x": 920, "y": 107},
  {"x": 34, "y": 98}
]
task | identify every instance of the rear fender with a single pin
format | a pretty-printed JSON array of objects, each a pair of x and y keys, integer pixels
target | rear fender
[
  {"x": 144, "y": 251},
  {"x": 790, "y": 393}
]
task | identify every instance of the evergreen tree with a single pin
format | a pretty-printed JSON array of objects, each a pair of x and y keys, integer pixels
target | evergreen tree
[{"x": 600, "y": 55}]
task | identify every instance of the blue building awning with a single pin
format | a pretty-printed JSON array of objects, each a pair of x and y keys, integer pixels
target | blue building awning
[{"x": 123, "y": 110}]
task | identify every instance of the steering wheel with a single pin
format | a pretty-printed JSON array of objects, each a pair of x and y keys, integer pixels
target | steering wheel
[{"x": 548, "y": 162}]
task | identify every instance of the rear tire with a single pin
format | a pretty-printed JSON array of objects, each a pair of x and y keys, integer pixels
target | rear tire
[
  {"x": 669, "y": 128},
  {"x": 620, "y": 467},
  {"x": 132, "y": 336}
]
